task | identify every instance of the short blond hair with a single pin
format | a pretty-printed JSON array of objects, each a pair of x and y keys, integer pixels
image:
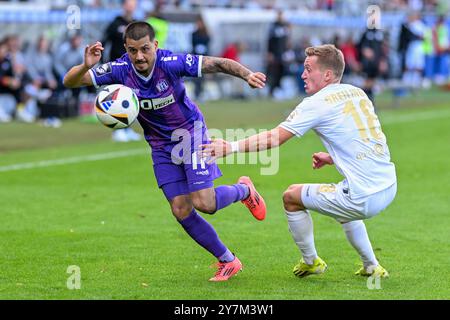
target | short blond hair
[{"x": 328, "y": 57}]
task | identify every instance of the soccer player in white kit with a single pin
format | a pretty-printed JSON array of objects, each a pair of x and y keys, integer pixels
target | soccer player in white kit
[{"x": 344, "y": 119}]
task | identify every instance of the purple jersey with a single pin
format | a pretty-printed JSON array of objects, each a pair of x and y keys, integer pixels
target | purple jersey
[{"x": 164, "y": 105}]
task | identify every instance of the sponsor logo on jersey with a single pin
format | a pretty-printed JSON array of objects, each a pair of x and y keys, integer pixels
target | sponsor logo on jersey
[
  {"x": 162, "y": 85},
  {"x": 155, "y": 104},
  {"x": 103, "y": 69}
]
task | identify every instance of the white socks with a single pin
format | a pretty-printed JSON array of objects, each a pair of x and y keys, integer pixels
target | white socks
[
  {"x": 357, "y": 235},
  {"x": 301, "y": 228}
]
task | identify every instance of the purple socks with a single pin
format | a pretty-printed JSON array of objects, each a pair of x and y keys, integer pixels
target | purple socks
[
  {"x": 204, "y": 234},
  {"x": 226, "y": 195}
]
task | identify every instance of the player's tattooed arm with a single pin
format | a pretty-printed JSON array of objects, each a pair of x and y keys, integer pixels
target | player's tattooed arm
[{"x": 231, "y": 67}]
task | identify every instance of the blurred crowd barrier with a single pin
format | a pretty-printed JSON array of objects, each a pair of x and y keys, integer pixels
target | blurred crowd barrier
[{"x": 240, "y": 30}]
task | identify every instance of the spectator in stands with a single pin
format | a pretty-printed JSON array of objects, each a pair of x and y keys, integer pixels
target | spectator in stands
[
  {"x": 300, "y": 56},
  {"x": 350, "y": 52},
  {"x": 69, "y": 54},
  {"x": 16, "y": 55},
  {"x": 160, "y": 25},
  {"x": 114, "y": 31},
  {"x": 415, "y": 57},
  {"x": 43, "y": 82},
  {"x": 8, "y": 85},
  {"x": 200, "y": 46},
  {"x": 233, "y": 51},
  {"x": 429, "y": 56},
  {"x": 17, "y": 58},
  {"x": 279, "y": 33},
  {"x": 440, "y": 35},
  {"x": 406, "y": 36},
  {"x": 371, "y": 55},
  {"x": 114, "y": 38}
]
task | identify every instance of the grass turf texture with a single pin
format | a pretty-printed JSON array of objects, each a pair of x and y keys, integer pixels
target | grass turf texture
[{"x": 109, "y": 218}]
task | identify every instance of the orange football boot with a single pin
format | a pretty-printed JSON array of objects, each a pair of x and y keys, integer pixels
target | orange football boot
[
  {"x": 254, "y": 202},
  {"x": 225, "y": 270}
]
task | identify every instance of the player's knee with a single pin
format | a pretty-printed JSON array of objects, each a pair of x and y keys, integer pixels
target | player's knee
[
  {"x": 204, "y": 205},
  {"x": 288, "y": 195},
  {"x": 291, "y": 198},
  {"x": 181, "y": 211}
]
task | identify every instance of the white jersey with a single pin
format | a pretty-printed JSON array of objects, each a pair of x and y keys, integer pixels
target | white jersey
[{"x": 343, "y": 117}]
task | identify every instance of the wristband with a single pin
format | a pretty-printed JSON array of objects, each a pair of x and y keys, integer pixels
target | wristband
[{"x": 234, "y": 146}]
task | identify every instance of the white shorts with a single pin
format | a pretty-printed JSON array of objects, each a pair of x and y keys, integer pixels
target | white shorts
[{"x": 333, "y": 200}]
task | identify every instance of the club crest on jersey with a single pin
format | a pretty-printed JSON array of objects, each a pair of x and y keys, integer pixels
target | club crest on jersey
[{"x": 162, "y": 85}]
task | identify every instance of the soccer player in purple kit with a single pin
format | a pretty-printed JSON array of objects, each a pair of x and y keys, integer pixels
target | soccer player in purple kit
[{"x": 186, "y": 180}]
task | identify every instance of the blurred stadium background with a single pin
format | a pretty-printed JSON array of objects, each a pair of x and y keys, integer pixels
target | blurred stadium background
[{"x": 61, "y": 176}]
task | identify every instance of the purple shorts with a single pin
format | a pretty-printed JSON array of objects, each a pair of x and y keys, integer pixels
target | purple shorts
[{"x": 185, "y": 177}]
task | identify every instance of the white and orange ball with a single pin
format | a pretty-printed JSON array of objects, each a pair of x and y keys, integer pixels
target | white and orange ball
[{"x": 116, "y": 106}]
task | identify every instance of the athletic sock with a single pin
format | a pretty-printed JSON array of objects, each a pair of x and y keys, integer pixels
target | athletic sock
[
  {"x": 301, "y": 228},
  {"x": 357, "y": 235},
  {"x": 204, "y": 234},
  {"x": 226, "y": 195},
  {"x": 228, "y": 256}
]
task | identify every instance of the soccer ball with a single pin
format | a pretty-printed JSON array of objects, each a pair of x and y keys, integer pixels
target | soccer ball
[{"x": 116, "y": 106}]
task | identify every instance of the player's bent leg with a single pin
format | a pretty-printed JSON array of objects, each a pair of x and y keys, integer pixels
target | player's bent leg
[
  {"x": 204, "y": 200},
  {"x": 356, "y": 234},
  {"x": 209, "y": 200},
  {"x": 181, "y": 206},
  {"x": 292, "y": 199},
  {"x": 204, "y": 234},
  {"x": 302, "y": 231}
]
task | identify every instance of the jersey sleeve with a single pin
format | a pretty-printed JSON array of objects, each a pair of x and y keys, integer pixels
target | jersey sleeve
[
  {"x": 303, "y": 118},
  {"x": 184, "y": 65},
  {"x": 107, "y": 73}
]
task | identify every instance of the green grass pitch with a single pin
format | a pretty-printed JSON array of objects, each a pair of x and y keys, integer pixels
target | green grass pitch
[{"x": 109, "y": 218}]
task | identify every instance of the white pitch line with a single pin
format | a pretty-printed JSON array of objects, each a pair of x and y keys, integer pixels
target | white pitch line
[
  {"x": 392, "y": 119},
  {"x": 63, "y": 161}
]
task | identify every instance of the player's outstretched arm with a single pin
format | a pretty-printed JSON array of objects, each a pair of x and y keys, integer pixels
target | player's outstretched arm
[
  {"x": 78, "y": 76},
  {"x": 320, "y": 159},
  {"x": 220, "y": 148},
  {"x": 228, "y": 66}
]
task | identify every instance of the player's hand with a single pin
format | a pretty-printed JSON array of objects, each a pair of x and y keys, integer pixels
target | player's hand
[
  {"x": 256, "y": 80},
  {"x": 92, "y": 54},
  {"x": 320, "y": 159},
  {"x": 218, "y": 148}
]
